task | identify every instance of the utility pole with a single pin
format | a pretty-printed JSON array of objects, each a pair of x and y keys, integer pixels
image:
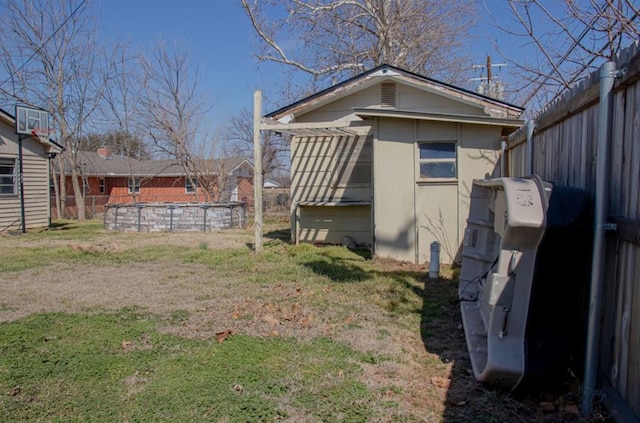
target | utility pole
[{"x": 487, "y": 85}]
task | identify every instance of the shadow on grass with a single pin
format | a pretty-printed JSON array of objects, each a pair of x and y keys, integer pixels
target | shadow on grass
[
  {"x": 443, "y": 337},
  {"x": 60, "y": 227},
  {"x": 279, "y": 234},
  {"x": 341, "y": 268},
  {"x": 338, "y": 271}
]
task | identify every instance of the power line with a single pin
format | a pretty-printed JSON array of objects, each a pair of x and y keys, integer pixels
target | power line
[
  {"x": 575, "y": 44},
  {"x": 44, "y": 44}
]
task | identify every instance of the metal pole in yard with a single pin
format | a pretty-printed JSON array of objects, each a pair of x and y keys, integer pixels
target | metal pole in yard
[
  {"x": 603, "y": 165},
  {"x": 257, "y": 169},
  {"x": 23, "y": 218},
  {"x": 531, "y": 124}
]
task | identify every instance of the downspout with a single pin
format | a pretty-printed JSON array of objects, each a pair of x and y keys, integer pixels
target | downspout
[
  {"x": 531, "y": 124},
  {"x": 416, "y": 226},
  {"x": 503, "y": 158},
  {"x": 605, "y": 116},
  {"x": 23, "y": 218}
]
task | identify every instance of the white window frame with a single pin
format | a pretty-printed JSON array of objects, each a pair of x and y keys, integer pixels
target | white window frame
[
  {"x": 9, "y": 162},
  {"x": 434, "y": 160},
  {"x": 133, "y": 186},
  {"x": 190, "y": 188},
  {"x": 102, "y": 187}
]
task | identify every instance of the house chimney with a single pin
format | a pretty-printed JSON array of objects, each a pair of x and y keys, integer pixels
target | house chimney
[{"x": 104, "y": 153}]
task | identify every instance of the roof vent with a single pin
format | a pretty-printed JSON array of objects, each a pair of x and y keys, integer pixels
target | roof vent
[{"x": 388, "y": 94}]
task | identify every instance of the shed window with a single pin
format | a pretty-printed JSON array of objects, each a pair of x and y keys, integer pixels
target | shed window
[
  {"x": 190, "y": 185},
  {"x": 134, "y": 186},
  {"x": 7, "y": 176},
  {"x": 102, "y": 187},
  {"x": 437, "y": 160}
]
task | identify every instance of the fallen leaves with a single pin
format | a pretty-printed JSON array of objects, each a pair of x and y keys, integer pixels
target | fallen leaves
[
  {"x": 561, "y": 405},
  {"x": 222, "y": 336},
  {"x": 441, "y": 382},
  {"x": 88, "y": 248},
  {"x": 271, "y": 320}
]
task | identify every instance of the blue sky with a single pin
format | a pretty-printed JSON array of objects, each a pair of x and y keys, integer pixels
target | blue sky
[
  {"x": 220, "y": 38},
  {"x": 216, "y": 31}
]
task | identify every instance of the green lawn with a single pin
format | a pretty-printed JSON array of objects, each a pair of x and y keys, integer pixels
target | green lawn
[{"x": 117, "y": 367}]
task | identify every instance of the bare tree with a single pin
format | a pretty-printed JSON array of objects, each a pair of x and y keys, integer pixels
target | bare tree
[
  {"x": 120, "y": 106},
  {"x": 335, "y": 39},
  {"x": 171, "y": 114},
  {"x": 238, "y": 139},
  {"x": 49, "y": 52},
  {"x": 567, "y": 41}
]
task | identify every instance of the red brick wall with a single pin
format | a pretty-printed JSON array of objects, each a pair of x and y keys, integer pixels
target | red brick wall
[
  {"x": 152, "y": 190},
  {"x": 245, "y": 190}
]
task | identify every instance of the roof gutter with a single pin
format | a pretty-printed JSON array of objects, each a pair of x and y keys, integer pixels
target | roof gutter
[{"x": 440, "y": 117}]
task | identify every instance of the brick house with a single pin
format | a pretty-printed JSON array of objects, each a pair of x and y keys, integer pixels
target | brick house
[{"x": 113, "y": 179}]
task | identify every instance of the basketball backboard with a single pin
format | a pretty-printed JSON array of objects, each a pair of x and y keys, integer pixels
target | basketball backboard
[{"x": 29, "y": 119}]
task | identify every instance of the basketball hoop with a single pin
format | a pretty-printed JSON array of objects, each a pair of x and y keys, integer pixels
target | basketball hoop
[{"x": 42, "y": 133}]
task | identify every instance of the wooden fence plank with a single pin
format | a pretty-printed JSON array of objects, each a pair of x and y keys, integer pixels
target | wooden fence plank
[
  {"x": 617, "y": 156},
  {"x": 584, "y": 149},
  {"x": 633, "y": 378},
  {"x": 610, "y": 295}
]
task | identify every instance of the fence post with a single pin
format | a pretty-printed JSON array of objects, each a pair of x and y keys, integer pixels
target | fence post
[
  {"x": 605, "y": 117},
  {"x": 171, "y": 217},
  {"x": 115, "y": 222},
  {"x": 205, "y": 207},
  {"x": 140, "y": 207}
]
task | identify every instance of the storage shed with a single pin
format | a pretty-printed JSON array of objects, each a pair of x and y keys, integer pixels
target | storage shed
[{"x": 388, "y": 158}]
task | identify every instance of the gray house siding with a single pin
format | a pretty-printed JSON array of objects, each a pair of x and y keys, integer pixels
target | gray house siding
[{"x": 36, "y": 182}]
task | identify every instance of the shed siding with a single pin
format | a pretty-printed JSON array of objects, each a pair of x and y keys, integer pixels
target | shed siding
[
  {"x": 408, "y": 98},
  {"x": 343, "y": 108},
  {"x": 419, "y": 101},
  {"x": 405, "y": 231},
  {"x": 331, "y": 224},
  {"x": 331, "y": 169},
  {"x": 394, "y": 175},
  {"x": 478, "y": 156}
]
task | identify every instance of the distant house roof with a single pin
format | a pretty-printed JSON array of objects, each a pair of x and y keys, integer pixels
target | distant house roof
[
  {"x": 494, "y": 108},
  {"x": 103, "y": 163},
  {"x": 9, "y": 119},
  {"x": 270, "y": 183}
]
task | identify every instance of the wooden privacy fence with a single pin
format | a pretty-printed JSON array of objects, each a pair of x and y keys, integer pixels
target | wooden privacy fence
[{"x": 564, "y": 152}]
